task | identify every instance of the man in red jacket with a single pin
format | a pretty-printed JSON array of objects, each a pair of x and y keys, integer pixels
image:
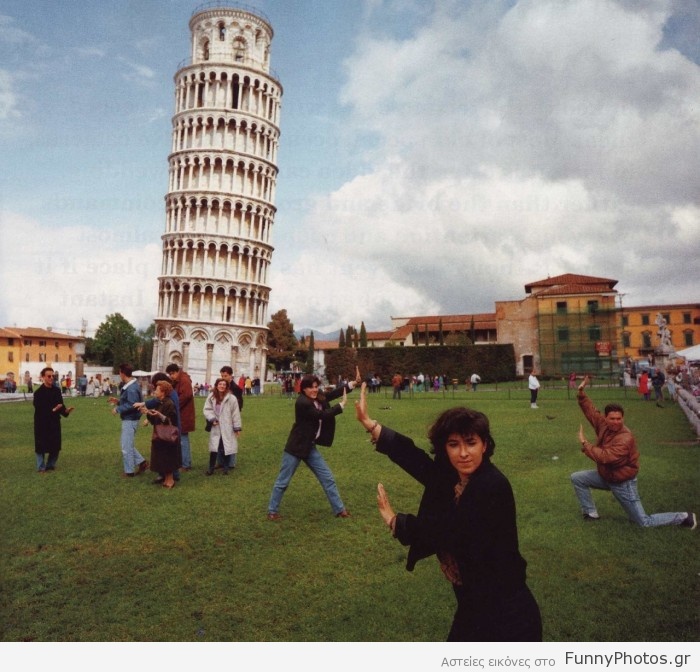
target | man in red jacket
[
  {"x": 617, "y": 460},
  {"x": 182, "y": 384}
]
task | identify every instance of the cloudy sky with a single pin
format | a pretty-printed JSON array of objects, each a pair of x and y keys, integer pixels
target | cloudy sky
[{"x": 435, "y": 156}]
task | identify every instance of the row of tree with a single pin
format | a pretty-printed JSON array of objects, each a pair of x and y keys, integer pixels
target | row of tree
[{"x": 117, "y": 340}]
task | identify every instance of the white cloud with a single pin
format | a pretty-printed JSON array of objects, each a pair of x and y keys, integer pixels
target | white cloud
[
  {"x": 59, "y": 276},
  {"x": 557, "y": 139}
]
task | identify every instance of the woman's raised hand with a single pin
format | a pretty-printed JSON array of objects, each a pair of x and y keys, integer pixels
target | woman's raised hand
[
  {"x": 361, "y": 407},
  {"x": 385, "y": 510}
]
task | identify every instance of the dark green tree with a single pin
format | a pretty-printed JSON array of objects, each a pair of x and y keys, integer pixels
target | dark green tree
[
  {"x": 472, "y": 331},
  {"x": 363, "y": 336},
  {"x": 416, "y": 334},
  {"x": 348, "y": 336},
  {"x": 144, "y": 359},
  {"x": 115, "y": 342},
  {"x": 310, "y": 355},
  {"x": 427, "y": 334},
  {"x": 341, "y": 339},
  {"x": 441, "y": 338},
  {"x": 281, "y": 342}
]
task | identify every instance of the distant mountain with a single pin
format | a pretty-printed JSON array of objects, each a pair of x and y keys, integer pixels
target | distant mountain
[{"x": 318, "y": 335}]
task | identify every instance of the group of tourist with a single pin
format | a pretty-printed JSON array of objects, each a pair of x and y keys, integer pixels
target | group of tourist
[{"x": 466, "y": 516}]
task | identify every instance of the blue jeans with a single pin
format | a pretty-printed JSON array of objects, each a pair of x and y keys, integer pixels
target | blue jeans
[
  {"x": 43, "y": 466},
  {"x": 625, "y": 493},
  {"x": 186, "y": 452},
  {"x": 131, "y": 457},
  {"x": 318, "y": 465}
]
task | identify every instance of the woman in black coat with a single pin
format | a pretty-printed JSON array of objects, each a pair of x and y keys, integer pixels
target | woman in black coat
[
  {"x": 467, "y": 519},
  {"x": 165, "y": 456}
]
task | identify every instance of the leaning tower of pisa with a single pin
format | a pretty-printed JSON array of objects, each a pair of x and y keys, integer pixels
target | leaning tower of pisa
[{"x": 213, "y": 287}]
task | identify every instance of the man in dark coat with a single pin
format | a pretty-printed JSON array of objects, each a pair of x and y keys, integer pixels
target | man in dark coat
[
  {"x": 182, "y": 384},
  {"x": 48, "y": 409}
]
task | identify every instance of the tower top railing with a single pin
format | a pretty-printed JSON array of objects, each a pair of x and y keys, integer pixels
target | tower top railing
[{"x": 231, "y": 5}]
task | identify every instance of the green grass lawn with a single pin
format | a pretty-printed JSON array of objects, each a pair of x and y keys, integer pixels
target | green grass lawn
[{"x": 88, "y": 556}]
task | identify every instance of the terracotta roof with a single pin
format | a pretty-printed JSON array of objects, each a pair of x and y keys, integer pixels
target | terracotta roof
[
  {"x": 561, "y": 290},
  {"x": 402, "y": 333},
  {"x": 379, "y": 335},
  {"x": 37, "y": 332},
  {"x": 570, "y": 279},
  {"x": 448, "y": 319},
  {"x": 326, "y": 345},
  {"x": 6, "y": 333}
]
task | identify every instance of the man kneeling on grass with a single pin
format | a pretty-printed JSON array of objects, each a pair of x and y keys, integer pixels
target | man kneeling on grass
[{"x": 617, "y": 458}]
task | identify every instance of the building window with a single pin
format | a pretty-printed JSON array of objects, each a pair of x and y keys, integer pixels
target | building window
[
  {"x": 561, "y": 307},
  {"x": 42, "y": 357},
  {"x": 646, "y": 339},
  {"x": 645, "y": 319},
  {"x": 10, "y": 341},
  {"x": 667, "y": 317},
  {"x": 688, "y": 338},
  {"x": 625, "y": 321},
  {"x": 27, "y": 341},
  {"x": 56, "y": 344},
  {"x": 70, "y": 358},
  {"x": 563, "y": 334},
  {"x": 10, "y": 356},
  {"x": 626, "y": 340},
  {"x": 26, "y": 357},
  {"x": 42, "y": 344},
  {"x": 222, "y": 31},
  {"x": 594, "y": 334},
  {"x": 593, "y": 306},
  {"x": 686, "y": 318},
  {"x": 55, "y": 359}
]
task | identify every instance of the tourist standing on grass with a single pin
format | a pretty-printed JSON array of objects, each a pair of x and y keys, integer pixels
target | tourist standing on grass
[
  {"x": 165, "y": 456},
  {"x": 153, "y": 403},
  {"x": 475, "y": 380},
  {"x": 466, "y": 518},
  {"x": 129, "y": 395},
  {"x": 397, "y": 383},
  {"x": 314, "y": 424},
  {"x": 182, "y": 384},
  {"x": 657, "y": 381},
  {"x": 224, "y": 424},
  {"x": 617, "y": 464},
  {"x": 48, "y": 411},
  {"x": 643, "y": 388},
  {"x": 226, "y": 373},
  {"x": 534, "y": 386}
]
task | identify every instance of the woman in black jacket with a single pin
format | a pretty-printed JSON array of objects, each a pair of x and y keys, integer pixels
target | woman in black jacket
[
  {"x": 467, "y": 519},
  {"x": 314, "y": 423}
]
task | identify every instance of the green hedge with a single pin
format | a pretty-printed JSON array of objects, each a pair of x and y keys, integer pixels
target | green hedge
[{"x": 494, "y": 363}]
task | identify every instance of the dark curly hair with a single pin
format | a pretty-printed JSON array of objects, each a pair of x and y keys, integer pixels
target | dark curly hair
[{"x": 463, "y": 421}]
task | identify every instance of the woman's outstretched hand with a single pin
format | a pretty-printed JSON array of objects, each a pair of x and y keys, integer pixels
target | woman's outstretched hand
[
  {"x": 385, "y": 510},
  {"x": 361, "y": 408}
]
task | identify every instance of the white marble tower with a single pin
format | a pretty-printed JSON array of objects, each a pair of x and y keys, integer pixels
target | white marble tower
[{"x": 213, "y": 287}]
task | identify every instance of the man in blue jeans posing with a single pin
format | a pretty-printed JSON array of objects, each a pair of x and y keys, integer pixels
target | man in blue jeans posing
[
  {"x": 124, "y": 406},
  {"x": 617, "y": 458}
]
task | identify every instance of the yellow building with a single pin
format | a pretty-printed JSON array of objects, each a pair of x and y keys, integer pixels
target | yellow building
[
  {"x": 27, "y": 350},
  {"x": 567, "y": 324},
  {"x": 10, "y": 355},
  {"x": 639, "y": 328}
]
